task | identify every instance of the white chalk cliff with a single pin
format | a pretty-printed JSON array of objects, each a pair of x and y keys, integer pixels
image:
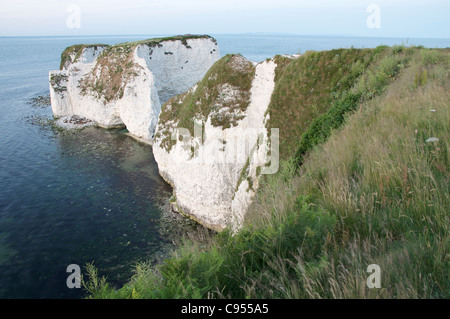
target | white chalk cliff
[
  {"x": 215, "y": 172},
  {"x": 155, "y": 87},
  {"x": 127, "y": 84}
]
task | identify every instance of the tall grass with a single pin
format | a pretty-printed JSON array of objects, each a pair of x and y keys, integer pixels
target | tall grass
[
  {"x": 305, "y": 87},
  {"x": 388, "y": 188}
]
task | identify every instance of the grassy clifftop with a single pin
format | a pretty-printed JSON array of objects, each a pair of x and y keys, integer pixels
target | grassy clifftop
[
  {"x": 364, "y": 180},
  {"x": 158, "y": 41}
]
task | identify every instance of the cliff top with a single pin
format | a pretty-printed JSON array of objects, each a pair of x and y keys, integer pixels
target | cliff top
[
  {"x": 68, "y": 54},
  {"x": 73, "y": 53},
  {"x": 156, "y": 41}
]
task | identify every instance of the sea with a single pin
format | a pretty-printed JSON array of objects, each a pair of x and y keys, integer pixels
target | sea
[{"x": 93, "y": 196}]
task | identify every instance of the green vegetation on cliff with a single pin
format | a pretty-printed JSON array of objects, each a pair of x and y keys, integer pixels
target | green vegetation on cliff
[
  {"x": 115, "y": 66},
  {"x": 157, "y": 41},
  {"x": 223, "y": 95},
  {"x": 364, "y": 180},
  {"x": 76, "y": 51},
  {"x": 306, "y": 88}
]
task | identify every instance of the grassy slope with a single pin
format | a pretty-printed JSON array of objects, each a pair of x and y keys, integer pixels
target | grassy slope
[
  {"x": 305, "y": 86},
  {"x": 370, "y": 191}
]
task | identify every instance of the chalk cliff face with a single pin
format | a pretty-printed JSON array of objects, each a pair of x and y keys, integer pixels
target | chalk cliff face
[
  {"x": 126, "y": 84},
  {"x": 205, "y": 117},
  {"x": 222, "y": 145}
]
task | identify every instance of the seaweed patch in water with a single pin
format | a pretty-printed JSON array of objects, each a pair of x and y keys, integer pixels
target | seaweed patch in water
[{"x": 40, "y": 101}]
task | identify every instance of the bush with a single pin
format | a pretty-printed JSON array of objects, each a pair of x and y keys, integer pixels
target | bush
[{"x": 322, "y": 127}]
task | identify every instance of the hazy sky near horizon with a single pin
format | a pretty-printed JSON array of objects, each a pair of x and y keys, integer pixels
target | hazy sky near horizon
[{"x": 397, "y": 18}]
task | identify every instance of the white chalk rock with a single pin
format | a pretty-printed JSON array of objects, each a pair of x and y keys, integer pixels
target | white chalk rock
[
  {"x": 156, "y": 71},
  {"x": 216, "y": 186}
]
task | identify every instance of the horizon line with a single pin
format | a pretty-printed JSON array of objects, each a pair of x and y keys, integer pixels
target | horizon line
[{"x": 213, "y": 33}]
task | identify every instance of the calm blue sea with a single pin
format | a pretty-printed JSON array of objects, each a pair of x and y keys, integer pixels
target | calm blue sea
[{"x": 92, "y": 196}]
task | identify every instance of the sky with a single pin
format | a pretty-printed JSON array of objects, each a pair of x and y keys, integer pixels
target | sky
[{"x": 372, "y": 18}]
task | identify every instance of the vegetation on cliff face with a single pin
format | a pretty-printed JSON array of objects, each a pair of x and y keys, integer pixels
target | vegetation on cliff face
[
  {"x": 115, "y": 66},
  {"x": 157, "y": 41},
  {"x": 364, "y": 180},
  {"x": 72, "y": 54},
  {"x": 306, "y": 87},
  {"x": 223, "y": 95},
  {"x": 58, "y": 82}
]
